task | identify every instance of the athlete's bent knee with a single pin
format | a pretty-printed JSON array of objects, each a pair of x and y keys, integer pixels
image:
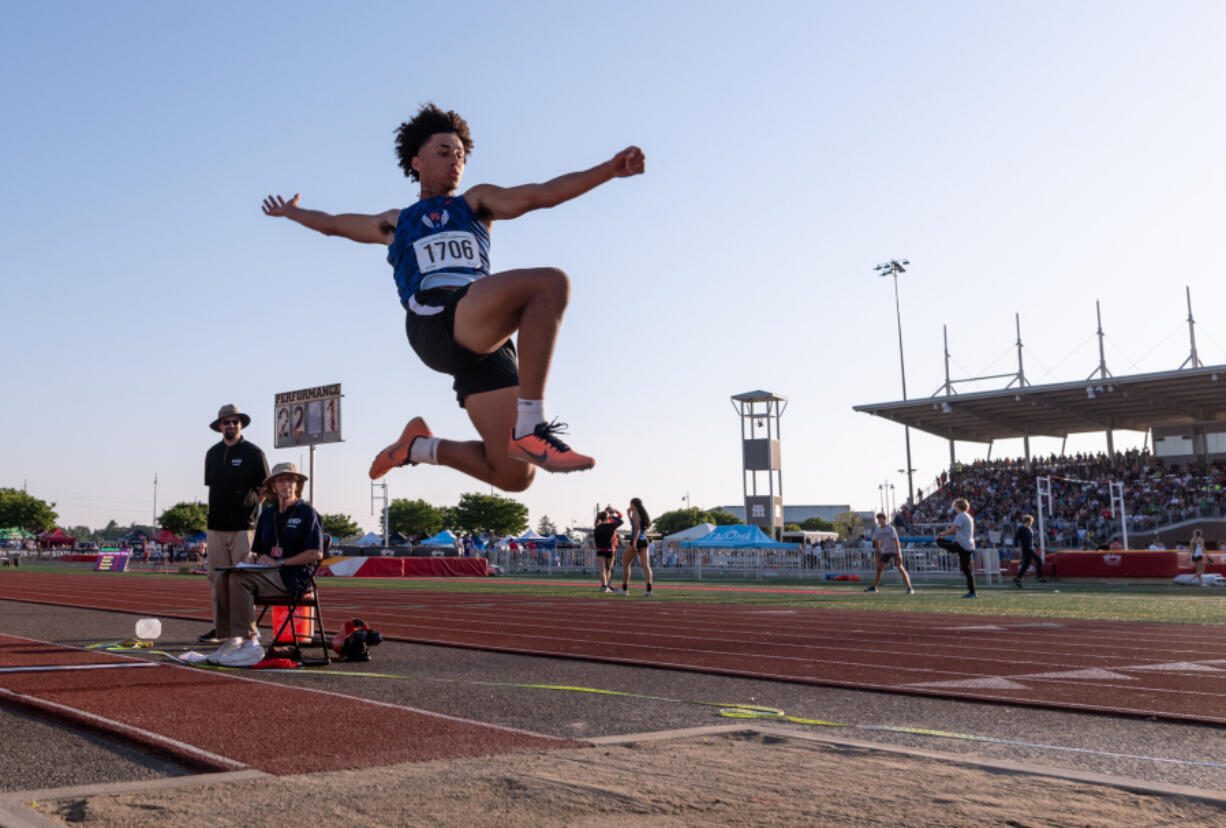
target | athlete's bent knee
[
  {"x": 556, "y": 284},
  {"x": 514, "y": 478}
]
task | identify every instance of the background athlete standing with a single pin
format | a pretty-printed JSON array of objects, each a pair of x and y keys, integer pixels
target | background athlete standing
[
  {"x": 459, "y": 316},
  {"x": 888, "y": 547},
  {"x": 604, "y": 535},
  {"x": 638, "y": 547}
]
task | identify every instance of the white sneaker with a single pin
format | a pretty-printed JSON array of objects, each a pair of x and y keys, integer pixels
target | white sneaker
[
  {"x": 249, "y": 653},
  {"x": 230, "y": 646}
]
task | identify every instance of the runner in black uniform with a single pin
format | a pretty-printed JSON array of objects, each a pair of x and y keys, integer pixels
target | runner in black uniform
[
  {"x": 605, "y": 538},
  {"x": 460, "y": 317},
  {"x": 638, "y": 547},
  {"x": 1024, "y": 538}
]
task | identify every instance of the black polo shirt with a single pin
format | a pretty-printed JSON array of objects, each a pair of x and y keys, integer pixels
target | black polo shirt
[{"x": 234, "y": 475}]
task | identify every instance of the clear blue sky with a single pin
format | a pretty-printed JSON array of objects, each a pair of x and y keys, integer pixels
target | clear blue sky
[{"x": 1027, "y": 157}]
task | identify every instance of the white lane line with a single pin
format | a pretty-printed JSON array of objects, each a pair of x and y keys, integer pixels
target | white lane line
[
  {"x": 1175, "y": 667},
  {"x": 433, "y": 714},
  {"x": 994, "y": 683},
  {"x": 277, "y": 685},
  {"x": 49, "y": 668},
  {"x": 1093, "y": 674},
  {"x": 26, "y": 700}
]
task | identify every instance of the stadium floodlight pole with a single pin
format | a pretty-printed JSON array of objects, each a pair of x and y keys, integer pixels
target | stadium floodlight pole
[{"x": 892, "y": 268}]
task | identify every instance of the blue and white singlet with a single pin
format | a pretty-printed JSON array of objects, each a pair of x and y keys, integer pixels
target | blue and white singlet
[{"x": 439, "y": 243}]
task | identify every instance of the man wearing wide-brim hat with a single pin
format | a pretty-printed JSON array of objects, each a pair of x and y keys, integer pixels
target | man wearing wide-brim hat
[
  {"x": 289, "y": 539},
  {"x": 234, "y": 471}
]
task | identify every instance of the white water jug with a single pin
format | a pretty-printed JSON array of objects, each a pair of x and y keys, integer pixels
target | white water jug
[{"x": 148, "y": 629}]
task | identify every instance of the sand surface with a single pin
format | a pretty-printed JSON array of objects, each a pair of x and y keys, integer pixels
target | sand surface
[{"x": 746, "y": 778}]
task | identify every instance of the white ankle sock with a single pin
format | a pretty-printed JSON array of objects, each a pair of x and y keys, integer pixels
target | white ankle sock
[
  {"x": 529, "y": 414},
  {"x": 424, "y": 450}
]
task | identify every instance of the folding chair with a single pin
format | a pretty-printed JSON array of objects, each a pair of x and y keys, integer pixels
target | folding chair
[{"x": 308, "y": 599}]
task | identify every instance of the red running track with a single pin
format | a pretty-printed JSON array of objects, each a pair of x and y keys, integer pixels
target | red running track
[
  {"x": 224, "y": 720},
  {"x": 1175, "y": 671}
]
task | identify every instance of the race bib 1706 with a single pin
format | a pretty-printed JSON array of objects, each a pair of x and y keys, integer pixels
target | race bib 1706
[{"x": 454, "y": 248}]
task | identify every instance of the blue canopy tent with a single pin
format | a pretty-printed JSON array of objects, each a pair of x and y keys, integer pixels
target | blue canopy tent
[
  {"x": 443, "y": 539},
  {"x": 536, "y": 541},
  {"x": 740, "y": 548},
  {"x": 737, "y": 536}
]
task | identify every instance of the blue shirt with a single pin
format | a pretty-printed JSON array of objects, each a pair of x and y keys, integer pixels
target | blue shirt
[
  {"x": 295, "y": 530},
  {"x": 438, "y": 243}
]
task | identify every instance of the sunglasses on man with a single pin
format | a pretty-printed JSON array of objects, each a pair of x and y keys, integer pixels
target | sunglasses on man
[{"x": 231, "y": 421}]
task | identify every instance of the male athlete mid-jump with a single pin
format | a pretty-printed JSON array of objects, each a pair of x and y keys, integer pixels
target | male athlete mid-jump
[{"x": 460, "y": 317}]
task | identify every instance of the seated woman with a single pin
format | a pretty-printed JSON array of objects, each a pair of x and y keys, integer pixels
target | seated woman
[{"x": 288, "y": 537}]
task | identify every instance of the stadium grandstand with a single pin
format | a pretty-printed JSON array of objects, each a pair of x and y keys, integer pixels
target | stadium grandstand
[{"x": 1178, "y": 485}]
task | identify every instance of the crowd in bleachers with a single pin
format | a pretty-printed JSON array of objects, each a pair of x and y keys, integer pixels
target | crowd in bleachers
[{"x": 1001, "y": 491}]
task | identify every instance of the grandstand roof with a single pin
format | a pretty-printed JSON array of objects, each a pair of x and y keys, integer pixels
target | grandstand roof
[{"x": 1136, "y": 402}]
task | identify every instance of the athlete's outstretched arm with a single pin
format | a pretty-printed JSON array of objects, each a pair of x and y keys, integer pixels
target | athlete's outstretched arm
[
  {"x": 377, "y": 229},
  {"x": 496, "y": 203}
]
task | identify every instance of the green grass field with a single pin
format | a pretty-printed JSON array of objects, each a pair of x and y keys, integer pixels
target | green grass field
[{"x": 1107, "y": 602}]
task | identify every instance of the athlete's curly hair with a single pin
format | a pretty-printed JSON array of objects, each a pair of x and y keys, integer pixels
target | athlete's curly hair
[{"x": 429, "y": 120}]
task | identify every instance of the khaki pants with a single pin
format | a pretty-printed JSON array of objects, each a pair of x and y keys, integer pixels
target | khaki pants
[
  {"x": 226, "y": 549},
  {"x": 235, "y": 593}
]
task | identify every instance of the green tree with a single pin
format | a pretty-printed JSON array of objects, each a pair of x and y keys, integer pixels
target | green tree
[
  {"x": 677, "y": 520},
  {"x": 83, "y": 534},
  {"x": 848, "y": 524},
  {"x": 479, "y": 513},
  {"x": 20, "y": 509},
  {"x": 415, "y": 517},
  {"x": 681, "y": 519},
  {"x": 816, "y": 524},
  {"x": 185, "y": 519},
  {"x": 450, "y": 521},
  {"x": 111, "y": 531},
  {"x": 545, "y": 527},
  {"x": 340, "y": 526},
  {"x": 720, "y": 518}
]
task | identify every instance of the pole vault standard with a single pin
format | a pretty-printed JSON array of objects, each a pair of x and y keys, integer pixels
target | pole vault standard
[
  {"x": 1043, "y": 496},
  {"x": 1043, "y": 488},
  {"x": 1117, "y": 500}
]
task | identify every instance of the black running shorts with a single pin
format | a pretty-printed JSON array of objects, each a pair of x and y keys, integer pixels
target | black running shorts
[{"x": 430, "y": 326}]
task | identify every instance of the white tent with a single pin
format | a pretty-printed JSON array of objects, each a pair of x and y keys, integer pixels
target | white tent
[
  {"x": 370, "y": 539},
  {"x": 693, "y": 533}
]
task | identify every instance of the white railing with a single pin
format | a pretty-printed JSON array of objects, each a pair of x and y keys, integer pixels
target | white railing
[{"x": 671, "y": 561}]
